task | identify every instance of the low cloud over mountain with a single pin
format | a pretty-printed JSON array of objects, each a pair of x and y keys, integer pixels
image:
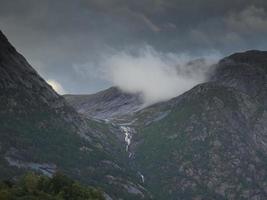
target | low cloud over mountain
[
  {"x": 58, "y": 36},
  {"x": 157, "y": 76}
]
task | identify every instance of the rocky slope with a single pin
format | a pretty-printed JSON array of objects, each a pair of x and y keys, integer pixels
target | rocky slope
[
  {"x": 106, "y": 105},
  {"x": 39, "y": 131}
]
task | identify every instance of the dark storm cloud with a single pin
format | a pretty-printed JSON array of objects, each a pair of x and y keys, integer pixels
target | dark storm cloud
[{"x": 65, "y": 40}]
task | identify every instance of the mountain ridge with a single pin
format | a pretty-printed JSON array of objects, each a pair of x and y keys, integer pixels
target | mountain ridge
[
  {"x": 107, "y": 104},
  {"x": 21, "y": 74}
]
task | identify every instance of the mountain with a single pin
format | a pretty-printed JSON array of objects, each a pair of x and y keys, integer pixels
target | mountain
[
  {"x": 41, "y": 132},
  {"x": 210, "y": 142},
  {"x": 106, "y": 105}
]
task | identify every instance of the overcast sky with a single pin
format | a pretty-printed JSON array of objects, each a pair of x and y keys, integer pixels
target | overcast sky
[{"x": 65, "y": 40}]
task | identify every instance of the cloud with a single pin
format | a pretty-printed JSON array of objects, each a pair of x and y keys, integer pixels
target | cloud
[
  {"x": 56, "y": 86},
  {"x": 66, "y": 36},
  {"x": 153, "y": 27},
  {"x": 157, "y": 76},
  {"x": 250, "y": 20}
]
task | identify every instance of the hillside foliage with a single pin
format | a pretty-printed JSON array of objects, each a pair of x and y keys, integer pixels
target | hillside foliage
[{"x": 36, "y": 187}]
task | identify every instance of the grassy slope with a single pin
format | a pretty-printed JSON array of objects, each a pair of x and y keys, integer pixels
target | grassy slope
[
  {"x": 44, "y": 137},
  {"x": 190, "y": 153}
]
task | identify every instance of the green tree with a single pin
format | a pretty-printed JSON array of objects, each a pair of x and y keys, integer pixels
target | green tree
[{"x": 36, "y": 187}]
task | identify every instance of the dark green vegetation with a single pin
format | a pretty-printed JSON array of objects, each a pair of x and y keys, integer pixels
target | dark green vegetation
[
  {"x": 198, "y": 151},
  {"x": 59, "y": 187}
]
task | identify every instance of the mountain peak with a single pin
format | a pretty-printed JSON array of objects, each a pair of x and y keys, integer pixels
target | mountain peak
[
  {"x": 18, "y": 77},
  {"x": 5, "y": 44},
  {"x": 245, "y": 71},
  {"x": 106, "y": 104},
  {"x": 2, "y": 36},
  {"x": 247, "y": 57}
]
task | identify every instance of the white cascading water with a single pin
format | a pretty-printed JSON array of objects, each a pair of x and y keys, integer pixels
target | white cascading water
[
  {"x": 142, "y": 177},
  {"x": 128, "y": 136},
  {"x": 127, "y": 131}
]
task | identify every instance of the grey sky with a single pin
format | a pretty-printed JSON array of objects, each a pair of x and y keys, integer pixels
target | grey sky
[{"x": 65, "y": 39}]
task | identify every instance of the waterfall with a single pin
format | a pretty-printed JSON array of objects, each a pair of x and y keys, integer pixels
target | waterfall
[
  {"x": 128, "y": 137},
  {"x": 128, "y": 134}
]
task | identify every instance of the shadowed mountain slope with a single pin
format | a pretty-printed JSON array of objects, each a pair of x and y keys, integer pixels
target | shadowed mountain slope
[{"x": 39, "y": 131}]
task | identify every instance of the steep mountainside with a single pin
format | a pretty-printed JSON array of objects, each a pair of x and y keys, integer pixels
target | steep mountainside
[
  {"x": 39, "y": 131},
  {"x": 209, "y": 143},
  {"x": 106, "y": 105},
  {"x": 20, "y": 85}
]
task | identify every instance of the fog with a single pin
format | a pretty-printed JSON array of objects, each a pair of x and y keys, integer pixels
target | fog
[{"x": 157, "y": 76}]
